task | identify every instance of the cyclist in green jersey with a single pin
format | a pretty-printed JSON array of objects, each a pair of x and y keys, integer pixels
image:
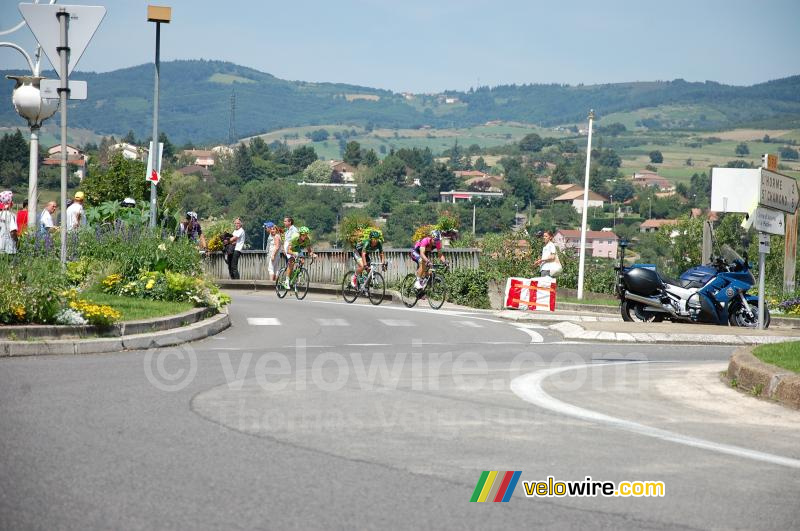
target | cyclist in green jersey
[
  {"x": 372, "y": 243},
  {"x": 297, "y": 247}
]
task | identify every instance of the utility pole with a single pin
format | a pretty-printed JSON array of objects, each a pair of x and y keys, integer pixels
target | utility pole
[{"x": 582, "y": 258}]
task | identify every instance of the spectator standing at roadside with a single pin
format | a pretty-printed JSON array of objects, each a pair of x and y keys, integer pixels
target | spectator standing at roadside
[
  {"x": 22, "y": 217},
  {"x": 273, "y": 249},
  {"x": 192, "y": 230},
  {"x": 290, "y": 231},
  {"x": 46, "y": 219},
  {"x": 548, "y": 264},
  {"x": 76, "y": 216},
  {"x": 8, "y": 224},
  {"x": 238, "y": 240}
]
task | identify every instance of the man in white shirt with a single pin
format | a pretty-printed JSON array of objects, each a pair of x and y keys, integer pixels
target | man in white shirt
[
  {"x": 8, "y": 224},
  {"x": 289, "y": 232},
  {"x": 76, "y": 216},
  {"x": 46, "y": 219},
  {"x": 238, "y": 240}
]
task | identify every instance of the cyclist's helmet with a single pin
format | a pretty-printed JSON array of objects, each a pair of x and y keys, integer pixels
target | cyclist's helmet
[
  {"x": 436, "y": 235},
  {"x": 304, "y": 230},
  {"x": 374, "y": 235},
  {"x": 268, "y": 224},
  {"x": 191, "y": 215}
]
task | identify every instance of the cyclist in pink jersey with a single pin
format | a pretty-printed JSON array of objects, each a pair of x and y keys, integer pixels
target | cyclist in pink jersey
[{"x": 420, "y": 255}]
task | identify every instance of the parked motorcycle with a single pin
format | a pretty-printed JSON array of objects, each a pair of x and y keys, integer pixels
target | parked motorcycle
[{"x": 715, "y": 293}]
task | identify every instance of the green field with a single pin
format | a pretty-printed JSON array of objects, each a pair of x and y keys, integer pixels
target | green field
[
  {"x": 786, "y": 355},
  {"x": 437, "y": 140}
]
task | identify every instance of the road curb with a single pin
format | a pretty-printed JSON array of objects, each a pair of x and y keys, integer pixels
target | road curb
[
  {"x": 750, "y": 374},
  {"x": 174, "y": 336},
  {"x": 267, "y": 285},
  {"x": 569, "y": 326}
]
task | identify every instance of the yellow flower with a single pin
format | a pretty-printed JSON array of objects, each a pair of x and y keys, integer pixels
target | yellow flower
[
  {"x": 150, "y": 284},
  {"x": 162, "y": 247}
]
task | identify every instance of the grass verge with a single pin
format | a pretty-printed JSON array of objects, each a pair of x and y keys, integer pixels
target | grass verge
[
  {"x": 785, "y": 355},
  {"x": 134, "y": 309}
]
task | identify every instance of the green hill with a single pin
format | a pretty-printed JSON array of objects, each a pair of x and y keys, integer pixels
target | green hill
[{"x": 196, "y": 102}]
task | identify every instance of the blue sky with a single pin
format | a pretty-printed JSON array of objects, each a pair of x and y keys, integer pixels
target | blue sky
[{"x": 428, "y": 46}]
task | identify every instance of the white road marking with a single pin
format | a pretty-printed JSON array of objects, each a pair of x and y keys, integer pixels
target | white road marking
[
  {"x": 332, "y": 322},
  {"x": 396, "y": 322},
  {"x": 467, "y": 324},
  {"x": 529, "y": 388},
  {"x": 536, "y": 337},
  {"x": 368, "y": 345},
  {"x": 263, "y": 321}
]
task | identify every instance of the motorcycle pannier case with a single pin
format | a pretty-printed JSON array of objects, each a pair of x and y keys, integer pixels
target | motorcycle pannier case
[{"x": 642, "y": 281}]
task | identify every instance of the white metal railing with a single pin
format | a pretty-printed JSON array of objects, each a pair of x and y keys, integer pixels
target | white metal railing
[{"x": 330, "y": 265}]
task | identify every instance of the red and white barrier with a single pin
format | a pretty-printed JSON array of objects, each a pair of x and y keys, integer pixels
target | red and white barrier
[{"x": 531, "y": 294}]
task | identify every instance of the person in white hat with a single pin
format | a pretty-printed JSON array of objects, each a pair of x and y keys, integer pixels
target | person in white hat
[
  {"x": 8, "y": 224},
  {"x": 76, "y": 216}
]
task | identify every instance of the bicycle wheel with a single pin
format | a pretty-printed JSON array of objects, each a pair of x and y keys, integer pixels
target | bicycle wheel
[
  {"x": 436, "y": 292},
  {"x": 280, "y": 288},
  {"x": 408, "y": 293},
  {"x": 349, "y": 292},
  {"x": 301, "y": 284},
  {"x": 376, "y": 289}
]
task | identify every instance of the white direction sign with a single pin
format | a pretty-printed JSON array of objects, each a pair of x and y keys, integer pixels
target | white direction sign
[
  {"x": 770, "y": 221},
  {"x": 49, "y": 88},
  {"x": 43, "y": 22},
  {"x": 778, "y": 191}
]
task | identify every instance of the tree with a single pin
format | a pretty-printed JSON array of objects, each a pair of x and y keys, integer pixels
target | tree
[
  {"x": 318, "y": 135},
  {"x": 243, "y": 164},
  {"x": 560, "y": 175},
  {"x": 370, "y": 159},
  {"x": 169, "y": 148},
  {"x": 522, "y": 185},
  {"x": 437, "y": 178},
  {"x": 318, "y": 171},
  {"x": 766, "y": 139},
  {"x": 122, "y": 178},
  {"x": 130, "y": 138},
  {"x": 391, "y": 170},
  {"x": 259, "y": 148},
  {"x": 614, "y": 129},
  {"x": 742, "y": 150},
  {"x": 531, "y": 143},
  {"x": 301, "y": 157},
  {"x": 481, "y": 165},
  {"x": 788, "y": 153},
  {"x": 622, "y": 190},
  {"x": 352, "y": 153},
  {"x": 607, "y": 157},
  {"x": 656, "y": 157},
  {"x": 456, "y": 160}
]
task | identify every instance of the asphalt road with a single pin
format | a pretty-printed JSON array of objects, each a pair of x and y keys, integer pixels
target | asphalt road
[{"x": 318, "y": 414}]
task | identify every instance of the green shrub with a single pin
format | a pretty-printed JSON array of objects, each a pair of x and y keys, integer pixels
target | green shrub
[
  {"x": 468, "y": 287},
  {"x": 31, "y": 289}
]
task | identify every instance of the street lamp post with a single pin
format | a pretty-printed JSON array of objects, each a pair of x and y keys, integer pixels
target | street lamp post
[
  {"x": 157, "y": 14},
  {"x": 29, "y": 104}
]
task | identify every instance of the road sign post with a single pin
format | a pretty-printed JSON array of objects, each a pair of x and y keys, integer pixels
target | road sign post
[{"x": 51, "y": 26}]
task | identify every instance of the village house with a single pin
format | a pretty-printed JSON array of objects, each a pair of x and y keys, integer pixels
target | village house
[
  {"x": 649, "y": 179},
  {"x": 454, "y": 196},
  {"x": 574, "y": 197},
  {"x": 599, "y": 243},
  {"x": 344, "y": 169},
  {"x": 75, "y": 157},
  {"x": 202, "y": 157},
  {"x": 129, "y": 151},
  {"x": 652, "y": 225}
]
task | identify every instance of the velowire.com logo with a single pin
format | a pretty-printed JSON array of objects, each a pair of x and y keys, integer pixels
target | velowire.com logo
[{"x": 494, "y": 486}]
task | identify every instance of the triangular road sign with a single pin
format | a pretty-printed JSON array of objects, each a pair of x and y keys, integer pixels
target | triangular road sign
[{"x": 43, "y": 22}]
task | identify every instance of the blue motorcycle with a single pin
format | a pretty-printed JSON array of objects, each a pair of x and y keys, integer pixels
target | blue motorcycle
[{"x": 715, "y": 293}]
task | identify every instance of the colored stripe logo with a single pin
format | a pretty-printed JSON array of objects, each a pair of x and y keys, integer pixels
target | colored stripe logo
[{"x": 494, "y": 486}]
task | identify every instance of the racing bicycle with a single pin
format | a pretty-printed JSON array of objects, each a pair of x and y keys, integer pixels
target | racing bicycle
[
  {"x": 369, "y": 283},
  {"x": 435, "y": 288},
  {"x": 298, "y": 282}
]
